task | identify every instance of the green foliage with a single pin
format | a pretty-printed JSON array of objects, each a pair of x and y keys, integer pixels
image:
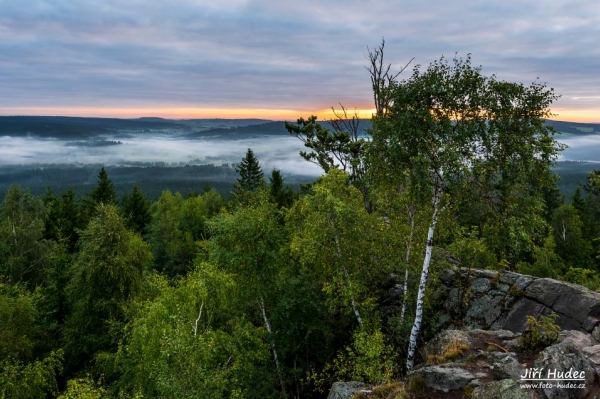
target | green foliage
[
  {"x": 136, "y": 211},
  {"x": 176, "y": 227},
  {"x": 17, "y": 317},
  {"x": 282, "y": 195},
  {"x": 367, "y": 359},
  {"x": 213, "y": 202},
  {"x": 472, "y": 251},
  {"x": 53, "y": 303},
  {"x": 34, "y": 380},
  {"x": 541, "y": 332},
  {"x": 546, "y": 262},
  {"x": 453, "y": 131},
  {"x": 83, "y": 388},
  {"x": 586, "y": 277},
  {"x": 23, "y": 248},
  {"x": 104, "y": 192},
  {"x": 251, "y": 177},
  {"x": 333, "y": 236},
  {"x": 248, "y": 243},
  {"x": 63, "y": 218},
  {"x": 568, "y": 235},
  {"x": 106, "y": 274},
  {"x": 191, "y": 342},
  {"x": 306, "y": 332},
  {"x": 341, "y": 148}
]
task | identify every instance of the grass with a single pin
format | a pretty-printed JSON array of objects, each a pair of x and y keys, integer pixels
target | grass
[{"x": 453, "y": 351}]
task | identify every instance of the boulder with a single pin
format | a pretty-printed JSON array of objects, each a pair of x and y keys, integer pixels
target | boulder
[
  {"x": 445, "y": 377},
  {"x": 505, "y": 365},
  {"x": 345, "y": 390},
  {"x": 592, "y": 353},
  {"x": 567, "y": 355},
  {"x": 503, "y": 389}
]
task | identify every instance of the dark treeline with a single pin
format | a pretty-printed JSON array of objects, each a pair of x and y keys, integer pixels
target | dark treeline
[
  {"x": 273, "y": 292},
  {"x": 152, "y": 179}
]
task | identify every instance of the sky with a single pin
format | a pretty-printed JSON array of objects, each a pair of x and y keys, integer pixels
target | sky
[{"x": 278, "y": 59}]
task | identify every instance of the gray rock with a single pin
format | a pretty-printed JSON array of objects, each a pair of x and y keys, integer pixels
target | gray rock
[
  {"x": 454, "y": 299},
  {"x": 503, "y": 288},
  {"x": 504, "y": 389},
  {"x": 516, "y": 318},
  {"x": 564, "y": 356},
  {"x": 505, "y": 365},
  {"x": 488, "y": 274},
  {"x": 480, "y": 285},
  {"x": 503, "y": 335},
  {"x": 345, "y": 390},
  {"x": 592, "y": 353},
  {"x": 572, "y": 341},
  {"x": 572, "y": 302},
  {"x": 484, "y": 310},
  {"x": 544, "y": 291},
  {"x": 508, "y": 277},
  {"x": 523, "y": 282},
  {"x": 445, "y": 377},
  {"x": 596, "y": 333}
]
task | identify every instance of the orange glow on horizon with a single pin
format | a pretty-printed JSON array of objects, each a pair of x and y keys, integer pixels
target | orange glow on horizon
[
  {"x": 577, "y": 115},
  {"x": 179, "y": 113},
  {"x": 562, "y": 114}
]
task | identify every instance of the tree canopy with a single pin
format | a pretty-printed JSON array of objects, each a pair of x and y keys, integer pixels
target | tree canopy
[{"x": 463, "y": 137}]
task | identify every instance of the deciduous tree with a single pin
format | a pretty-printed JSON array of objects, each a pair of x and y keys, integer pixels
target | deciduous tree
[
  {"x": 458, "y": 131},
  {"x": 106, "y": 274}
]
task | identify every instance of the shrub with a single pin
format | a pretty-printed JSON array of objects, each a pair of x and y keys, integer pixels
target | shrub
[{"x": 541, "y": 332}]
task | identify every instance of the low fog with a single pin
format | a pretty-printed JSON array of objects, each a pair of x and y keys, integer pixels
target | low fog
[
  {"x": 581, "y": 148},
  {"x": 279, "y": 152}
]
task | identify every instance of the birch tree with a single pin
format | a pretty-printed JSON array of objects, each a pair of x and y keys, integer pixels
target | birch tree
[
  {"x": 333, "y": 235},
  {"x": 456, "y": 131},
  {"x": 193, "y": 341},
  {"x": 248, "y": 244},
  {"x": 106, "y": 274}
]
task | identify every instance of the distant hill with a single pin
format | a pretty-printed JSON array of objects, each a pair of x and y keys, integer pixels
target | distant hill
[
  {"x": 575, "y": 127},
  {"x": 75, "y": 128},
  {"x": 257, "y": 130},
  {"x": 69, "y": 128},
  {"x": 63, "y": 127}
]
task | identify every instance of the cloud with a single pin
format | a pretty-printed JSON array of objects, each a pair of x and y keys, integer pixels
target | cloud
[{"x": 284, "y": 54}]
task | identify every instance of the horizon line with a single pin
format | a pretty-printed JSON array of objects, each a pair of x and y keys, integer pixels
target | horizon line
[{"x": 559, "y": 115}]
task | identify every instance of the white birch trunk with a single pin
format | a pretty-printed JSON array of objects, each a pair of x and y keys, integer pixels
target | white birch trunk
[
  {"x": 414, "y": 333},
  {"x": 411, "y": 213},
  {"x": 195, "y": 328},
  {"x": 268, "y": 325}
]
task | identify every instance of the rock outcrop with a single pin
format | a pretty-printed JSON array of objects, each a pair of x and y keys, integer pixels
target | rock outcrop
[
  {"x": 486, "y": 299},
  {"x": 493, "y": 367},
  {"x": 481, "y": 315},
  {"x": 345, "y": 390}
]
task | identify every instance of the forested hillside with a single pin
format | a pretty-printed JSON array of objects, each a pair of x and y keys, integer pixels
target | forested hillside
[{"x": 275, "y": 292}]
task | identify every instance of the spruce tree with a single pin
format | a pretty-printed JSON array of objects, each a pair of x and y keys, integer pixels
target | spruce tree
[
  {"x": 280, "y": 194},
  {"x": 136, "y": 211},
  {"x": 251, "y": 174},
  {"x": 105, "y": 190}
]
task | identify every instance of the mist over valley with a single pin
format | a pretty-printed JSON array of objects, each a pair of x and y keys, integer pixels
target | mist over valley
[{"x": 185, "y": 155}]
